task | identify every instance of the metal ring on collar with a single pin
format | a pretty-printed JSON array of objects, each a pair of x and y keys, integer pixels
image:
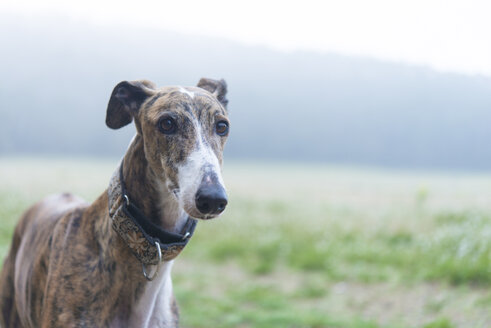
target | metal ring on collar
[{"x": 150, "y": 278}]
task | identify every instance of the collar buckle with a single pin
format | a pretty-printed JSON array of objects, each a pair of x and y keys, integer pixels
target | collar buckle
[{"x": 186, "y": 235}]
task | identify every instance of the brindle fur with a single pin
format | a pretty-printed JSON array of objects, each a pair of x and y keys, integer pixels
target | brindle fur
[{"x": 67, "y": 267}]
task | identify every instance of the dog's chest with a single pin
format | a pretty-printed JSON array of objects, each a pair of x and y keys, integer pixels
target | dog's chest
[{"x": 154, "y": 307}]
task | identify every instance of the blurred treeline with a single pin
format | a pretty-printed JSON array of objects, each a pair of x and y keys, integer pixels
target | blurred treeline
[{"x": 56, "y": 78}]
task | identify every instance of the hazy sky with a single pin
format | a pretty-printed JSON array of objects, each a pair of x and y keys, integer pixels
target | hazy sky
[{"x": 446, "y": 35}]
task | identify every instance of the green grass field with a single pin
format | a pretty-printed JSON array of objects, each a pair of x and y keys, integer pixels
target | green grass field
[{"x": 312, "y": 246}]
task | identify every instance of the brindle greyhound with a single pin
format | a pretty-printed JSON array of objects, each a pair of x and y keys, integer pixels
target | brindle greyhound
[{"x": 73, "y": 264}]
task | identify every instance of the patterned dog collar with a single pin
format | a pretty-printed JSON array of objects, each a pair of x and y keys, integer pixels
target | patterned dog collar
[{"x": 138, "y": 232}]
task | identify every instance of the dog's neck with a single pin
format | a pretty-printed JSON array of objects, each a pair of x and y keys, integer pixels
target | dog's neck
[
  {"x": 146, "y": 303},
  {"x": 149, "y": 191}
]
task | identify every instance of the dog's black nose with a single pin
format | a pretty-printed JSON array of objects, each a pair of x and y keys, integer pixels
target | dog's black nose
[{"x": 211, "y": 199}]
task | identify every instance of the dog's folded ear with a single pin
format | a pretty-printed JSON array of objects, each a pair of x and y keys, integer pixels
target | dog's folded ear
[
  {"x": 125, "y": 101},
  {"x": 216, "y": 87}
]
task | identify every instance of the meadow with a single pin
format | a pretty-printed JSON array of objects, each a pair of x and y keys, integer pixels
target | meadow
[{"x": 312, "y": 245}]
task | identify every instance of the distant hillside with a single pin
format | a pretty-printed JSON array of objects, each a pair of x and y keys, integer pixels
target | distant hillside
[{"x": 56, "y": 78}]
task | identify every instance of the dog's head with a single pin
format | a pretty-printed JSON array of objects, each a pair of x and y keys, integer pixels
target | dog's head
[{"x": 184, "y": 131}]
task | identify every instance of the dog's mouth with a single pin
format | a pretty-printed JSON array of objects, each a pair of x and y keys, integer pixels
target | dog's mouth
[
  {"x": 209, "y": 216},
  {"x": 193, "y": 212},
  {"x": 191, "y": 208}
]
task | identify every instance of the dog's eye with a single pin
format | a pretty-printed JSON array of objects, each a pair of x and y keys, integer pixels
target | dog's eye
[
  {"x": 221, "y": 128},
  {"x": 167, "y": 125}
]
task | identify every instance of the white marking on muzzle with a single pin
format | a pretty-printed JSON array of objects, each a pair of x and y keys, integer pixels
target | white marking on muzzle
[{"x": 200, "y": 163}]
